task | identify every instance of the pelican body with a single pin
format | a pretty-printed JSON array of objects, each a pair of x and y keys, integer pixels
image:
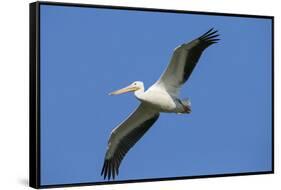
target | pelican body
[
  {"x": 162, "y": 96},
  {"x": 157, "y": 98}
]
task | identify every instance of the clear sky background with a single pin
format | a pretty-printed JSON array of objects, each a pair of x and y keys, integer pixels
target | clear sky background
[{"x": 87, "y": 53}]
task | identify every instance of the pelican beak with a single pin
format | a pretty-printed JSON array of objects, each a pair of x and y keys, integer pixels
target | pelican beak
[{"x": 124, "y": 90}]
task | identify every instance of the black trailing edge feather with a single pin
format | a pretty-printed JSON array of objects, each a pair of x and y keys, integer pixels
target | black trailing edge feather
[
  {"x": 111, "y": 166},
  {"x": 196, "y": 48}
]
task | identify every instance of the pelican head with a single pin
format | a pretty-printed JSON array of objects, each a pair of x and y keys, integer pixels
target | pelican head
[{"x": 135, "y": 86}]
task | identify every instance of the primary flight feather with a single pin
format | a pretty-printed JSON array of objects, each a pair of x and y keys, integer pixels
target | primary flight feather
[{"x": 162, "y": 96}]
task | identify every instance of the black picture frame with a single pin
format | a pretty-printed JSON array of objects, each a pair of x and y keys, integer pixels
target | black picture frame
[{"x": 34, "y": 92}]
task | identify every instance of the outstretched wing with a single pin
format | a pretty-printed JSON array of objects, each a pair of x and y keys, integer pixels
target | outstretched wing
[
  {"x": 184, "y": 59},
  {"x": 125, "y": 136}
]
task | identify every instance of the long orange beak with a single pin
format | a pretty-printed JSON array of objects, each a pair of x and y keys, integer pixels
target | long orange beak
[{"x": 124, "y": 90}]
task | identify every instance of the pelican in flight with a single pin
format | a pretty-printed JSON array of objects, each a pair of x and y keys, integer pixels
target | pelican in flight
[{"x": 162, "y": 96}]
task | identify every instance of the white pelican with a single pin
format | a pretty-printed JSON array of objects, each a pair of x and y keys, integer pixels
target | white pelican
[{"x": 162, "y": 96}]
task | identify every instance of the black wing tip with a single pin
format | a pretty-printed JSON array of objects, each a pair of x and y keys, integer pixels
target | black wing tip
[
  {"x": 210, "y": 36},
  {"x": 109, "y": 170},
  {"x": 104, "y": 169}
]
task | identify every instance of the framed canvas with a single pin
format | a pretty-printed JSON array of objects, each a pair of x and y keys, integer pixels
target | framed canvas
[{"x": 198, "y": 97}]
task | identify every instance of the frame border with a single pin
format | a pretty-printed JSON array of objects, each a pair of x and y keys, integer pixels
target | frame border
[{"x": 34, "y": 93}]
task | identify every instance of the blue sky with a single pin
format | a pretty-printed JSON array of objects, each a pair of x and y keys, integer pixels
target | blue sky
[{"x": 87, "y": 53}]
